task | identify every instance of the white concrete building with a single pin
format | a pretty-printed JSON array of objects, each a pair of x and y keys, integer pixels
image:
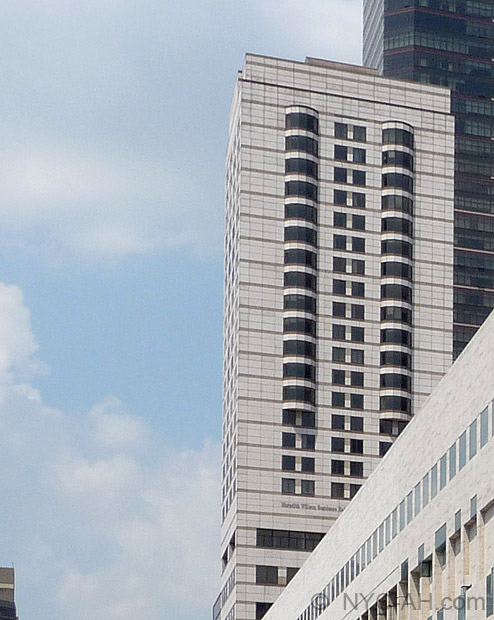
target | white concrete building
[
  {"x": 418, "y": 540},
  {"x": 338, "y": 301}
]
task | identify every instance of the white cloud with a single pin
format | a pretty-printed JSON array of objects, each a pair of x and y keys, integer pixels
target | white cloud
[{"x": 105, "y": 521}]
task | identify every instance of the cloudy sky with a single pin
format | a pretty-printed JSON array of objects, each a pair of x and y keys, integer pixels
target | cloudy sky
[{"x": 112, "y": 138}]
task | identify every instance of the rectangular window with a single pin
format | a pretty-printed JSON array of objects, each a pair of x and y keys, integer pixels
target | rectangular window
[
  {"x": 358, "y": 266},
  {"x": 357, "y": 334},
  {"x": 340, "y": 175},
  {"x": 425, "y": 490},
  {"x": 307, "y": 487},
  {"x": 288, "y": 486},
  {"x": 359, "y": 133},
  {"x": 442, "y": 471},
  {"x": 358, "y": 200},
  {"x": 484, "y": 427},
  {"x": 339, "y": 264},
  {"x": 337, "y": 489},
  {"x": 402, "y": 516},
  {"x": 374, "y": 544},
  {"x": 394, "y": 523},
  {"x": 387, "y": 531},
  {"x": 338, "y": 422},
  {"x": 356, "y": 422},
  {"x": 473, "y": 440},
  {"x": 452, "y": 461},
  {"x": 339, "y": 332},
  {"x": 356, "y": 469},
  {"x": 288, "y": 440},
  {"x": 340, "y": 197},
  {"x": 339, "y": 220},
  {"x": 337, "y": 444},
  {"x": 267, "y": 575},
  {"x": 463, "y": 450},
  {"x": 418, "y": 503},
  {"x": 338, "y": 467},
  {"x": 356, "y": 446},
  {"x": 288, "y": 463},
  {"x": 369, "y": 551},
  {"x": 359, "y": 156},
  {"x": 308, "y": 464},
  {"x": 434, "y": 482},
  {"x": 358, "y": 290},
  {"x": 358, "y": 177},
  {"x": 341, "y": 130},
  {"x": 489, "y": 594},
  {"x": 339, "y": 242},
  {"x": 339, "y": 309},
  {"x": 358, "y": 222},
  {"x": 341, "y": 152},
  {"x": 358, "y": 244},
  {"x": 358, "y": 312},
  {"x": 409, "y": 507},
  {"x": 357, "y": 356},
  {"x": 308, "y": 442},
  {"x": 338, "y": 354},
  {"x": 381, "y": 537}
]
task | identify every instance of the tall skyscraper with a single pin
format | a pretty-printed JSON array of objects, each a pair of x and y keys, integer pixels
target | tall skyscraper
[
  {"x": 338, "y": 301},
  {"x": 7, "y": 600},
  {"x": 451, "y": 43}
]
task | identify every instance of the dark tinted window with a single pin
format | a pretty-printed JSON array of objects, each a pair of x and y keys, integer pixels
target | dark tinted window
[
  {"x": 338, "y": 467},
  {"x": 299, "y": 120},
  {"x": 299, "y": 392},
  {"x": 396, "y": 224},
  {"x": 356, "y": 423},
  {"x": 301, "y": 188},
  {"x": 267, "y": 574},
  {"x": 356, "y": 446},
  {"x": 398, "y": 158},
  {"x": 395, "y": 179},
  {"x": 302, "y": 166},
  {"x": 397, "y": 203},
  {"x": 398, "y": 136},
  {"x": 341, "y": 152},
  {"x": 340, "y": 175},
  {"x": 395, "y": 381},
  {"x": 339, "y": 264},
  {"x": 300, "y": 278},
  {"x": 337, "y": 399},
  {"x": 299, "y": 233},
  {"x": 337, "y": 489},
  {"x": 340, "y": 130},
  {"x": 337, "y": 444},
  {"x": 359, "y": 177},
  {"x": 394, "y": 246},
  {"x": 301, "y": 371},
  {"x": 299, "y": 324},
  {"x": 300, "y": 257},
  {"x": 299, "y": 302},
  {"x": 358, "y": 200},
  {"x": 301, "y": 212},
  {"x": 340, "y": 197},
  {"x": 299, "y": 347},
  {"x": 396, "y": 291},
  {"x": 396, "y": 313},
  {"x": 401, "y": 270},
  {"x": 395, "y": 358},
  {"x": 301, "y": 143},
  {"x": 359, "y": 133},
  {"x": 397, "y": 336},
  {"x": 395, "y": 403}
]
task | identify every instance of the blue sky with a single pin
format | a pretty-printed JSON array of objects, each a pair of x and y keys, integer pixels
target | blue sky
[{"x": 112, "y": 139}]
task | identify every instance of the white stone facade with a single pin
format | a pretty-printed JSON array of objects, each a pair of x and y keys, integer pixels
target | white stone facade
[
  {"x": 312, "y": 395},
  {"x": 421, "y": 532}
]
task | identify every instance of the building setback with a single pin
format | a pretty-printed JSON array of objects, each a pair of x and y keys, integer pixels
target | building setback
[
  {"x": 338, "y": 301},
  {"x": 452, "y": 44},
  {"x": 418, "y": 540},
  {"x": 7, "y": 604}
]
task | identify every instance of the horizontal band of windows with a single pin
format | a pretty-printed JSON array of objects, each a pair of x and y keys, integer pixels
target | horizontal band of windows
[
  {"x": 398, "y": 158},
  {"x": 299, "y": 120},
  {"x": 287, "y": 539},
  {"x": 299, "y": 347},
  {"x": 396, "y": 224},
  {"x": 398, "y": 336},
  {"x": 302, "y": 143},
  {"x": 399, "y": 270},
  {"x": 392, "y": 380},
  {"x": 396, "y": 179},
  {"x": 299, "y": 371},
  {"x": 339, "y": 399},
  {"x": 301, "y": 188},
  {"x": 288, "y": 463},
  {"x": 395, "y": 403},
  {"x": 358, "y": 133},
  {"x": 341, "y": 154},
  {"x": 300, "y": 278},
  {"x": 396, "y": 291},
  {"x": 397, "y": 247},
  {"x": 469, "y": 315},
  {"x": 398, "y": 136},
  {"x": 395, "y": 202},
  {"x": 396, "y": 313},
  {"x": 342, "y": 175},
  {"x": 396, "y": 358},
  {"x": 296, "y": 417},
  {"x": 338, "y": 445},
  {"x": 300, "y": 212},
  {"x": 474, "y": 239},
  {"x": 301, "y": 166},
  {"x": 299, "y": 302},
  {"x": 299, "y": 392},
  {"x": 300, "y": 325},
  {"x": 357, "y": 334},
  {"x": 300, "y": 233},
  {"x": 341, "y": 197},
  {"x": 300, "y": 257}
]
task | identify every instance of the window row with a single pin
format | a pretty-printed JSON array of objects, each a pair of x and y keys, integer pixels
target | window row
[
  {"x": 295, "y": 417},
  {"x": 341, "y": 220},
  {"x": 396, "y": 314},
  {"x": 297, "y": 256},
  {"x": 301, "y": 279},
  {"x": 350, "y": 401},
  {"x": 300, "y": 212},
  {"x": 398, "y": 158},
  {"x": 395, "y": 202},
  {"x": 301, "y": 120},
  {"x": 339, "y": 354},
  {"x": 396, "y": 291},
  {"x": 352, "y": 423},
  {"x": 299, "y": 347},
  {"x": 356, "y": 289},
  {"x": 396, "y": 179},
  {"x": 396, "y": 336},
  {"x": 347, "y": 468},
  {"x": 344, "y": 175},
  {"x": 302, "y": 143},
  {"x": 306, "y": 442},
  {"x": 356, "y": 265},
  {"x": 349, "y": 199},
  {"x": 340, "y": 310},
  {"x": 396, "y": 224},
  {"x": 338, "y": 490},
  {"x": 301, "y": 188},
  {"x": 287, "y": 539},
  {"x": 396, "y": 269},
  {"x": 299, "y": 302},
  {"x": 401, "y": 404},
  {"x": 301, "y": 166},
  {"x": 341, "y": 444},
  {"x": 301, "y": 393},
  {"x": 342, "y": 153},
  {"x": 342, "y": 242},
  {"x": 269, "y": 575},
  {"x": 339, "y": 377},
  {"x": 397, "y": 247},
  {"x": 300, "y": 233},
  {"x": 299, "y": 325},
  {"x": 393, "y": 380},
  {"x": 345, "y": 332},
  {"x": 350, "y": 132},
  {"x": 398, "y": 136},
  {"x": 305, "y": 463},
  {"x": 289, "y": 486}
]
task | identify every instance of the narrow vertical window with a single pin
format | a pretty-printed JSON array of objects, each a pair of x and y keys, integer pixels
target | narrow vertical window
[{"x": 473, "y": 440}]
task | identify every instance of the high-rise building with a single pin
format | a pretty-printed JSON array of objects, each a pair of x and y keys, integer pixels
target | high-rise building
[
  {"x": 451, "y": 43},
  {"x": 338, "y": 301},
  {"x": 7, "y": 600}
]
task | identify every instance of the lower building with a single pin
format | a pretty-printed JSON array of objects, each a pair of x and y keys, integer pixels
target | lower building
[
  {"x": 418, "y": 540},
  {"x": 7, "y": 604}
]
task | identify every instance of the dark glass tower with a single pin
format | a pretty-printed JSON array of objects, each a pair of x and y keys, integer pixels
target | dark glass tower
[{"x": 451, "y": 43}]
